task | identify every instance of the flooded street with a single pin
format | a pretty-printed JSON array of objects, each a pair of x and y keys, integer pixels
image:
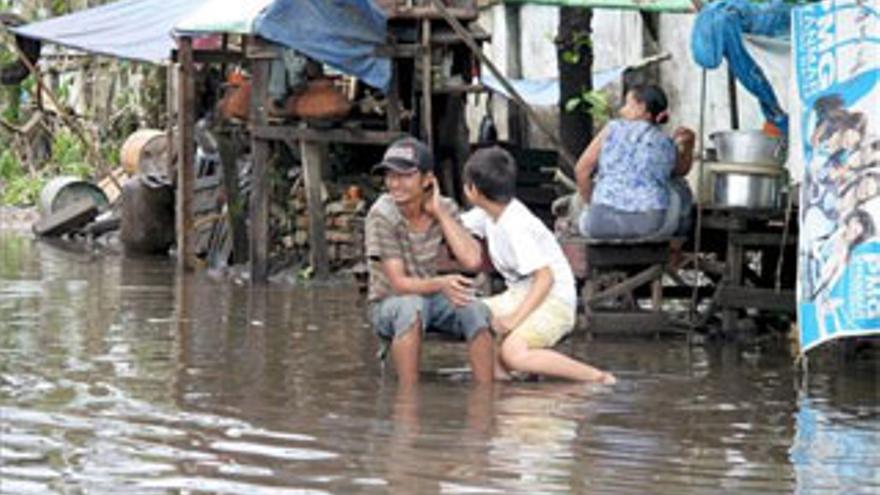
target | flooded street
[{"x": 117, "y": 377}]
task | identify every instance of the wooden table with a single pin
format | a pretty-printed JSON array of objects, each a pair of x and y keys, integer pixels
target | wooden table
[{"x": 732, "y": 232}]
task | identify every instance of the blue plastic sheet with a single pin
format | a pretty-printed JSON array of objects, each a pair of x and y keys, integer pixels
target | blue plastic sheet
[
  {"x": 130, "y": 29},
  {"x": 341, "y": 33},
  {"x": 545, "y": 92},
  {"x": 717, "y": 35}
]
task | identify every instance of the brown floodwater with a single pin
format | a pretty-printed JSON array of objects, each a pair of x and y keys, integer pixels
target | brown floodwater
[{"x": 117, "y": 376}]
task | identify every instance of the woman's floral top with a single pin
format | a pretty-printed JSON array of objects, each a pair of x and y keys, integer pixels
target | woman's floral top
[{"x": 635, "y": 166}]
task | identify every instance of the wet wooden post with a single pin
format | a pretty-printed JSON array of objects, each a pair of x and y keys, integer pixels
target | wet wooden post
[
  {"x": 229, "y": 150},
  {"x": 186, "y": 154},
  {"x": 733, "y": 276},
  {"x": 393, "y": 113},
  {"x": 313, "y": 157},
  {"x": 515, "y": 131},
  {"x": 259, "y": 201},
  {"x": 427, "y": 91}
]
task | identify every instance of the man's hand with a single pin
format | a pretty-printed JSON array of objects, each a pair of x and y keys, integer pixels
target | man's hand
[
  {"x": 503, "y": 324},
  {"x": 432, "y": 201},
  {"x": 458, "y": 289}
]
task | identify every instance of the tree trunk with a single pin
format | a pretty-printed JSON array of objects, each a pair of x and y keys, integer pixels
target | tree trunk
[{"x": 574, "y": 54}]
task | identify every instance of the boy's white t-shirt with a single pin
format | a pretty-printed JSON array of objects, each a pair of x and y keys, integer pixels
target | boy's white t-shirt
[{"x": 519, "y": 244}]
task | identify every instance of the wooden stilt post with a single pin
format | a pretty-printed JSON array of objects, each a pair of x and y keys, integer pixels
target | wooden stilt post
[
  {"x": 186, "y": 155},
  {"x": 228, "y": 148},
  {"x": 259, "y": 202},
  {"x": 313, "y": 157},
  {"x": 427, "y": 90},
  {"x": 516, "y": 132}
]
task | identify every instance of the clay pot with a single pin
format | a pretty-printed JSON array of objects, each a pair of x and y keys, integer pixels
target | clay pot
[
  {"x": 236, "y": 99},
  {"x": 320, "y": 100}
]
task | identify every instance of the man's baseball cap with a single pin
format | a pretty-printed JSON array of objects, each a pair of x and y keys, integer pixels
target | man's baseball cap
[{"x": 406, "y": 155}]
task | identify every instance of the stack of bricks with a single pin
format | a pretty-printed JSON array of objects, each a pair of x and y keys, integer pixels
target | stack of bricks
[{"x": 344, "y": 220}]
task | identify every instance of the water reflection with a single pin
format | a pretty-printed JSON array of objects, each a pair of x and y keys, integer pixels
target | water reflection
[
  {"x": 116, "y": 376},
  {"x": 838, "y": 427}
]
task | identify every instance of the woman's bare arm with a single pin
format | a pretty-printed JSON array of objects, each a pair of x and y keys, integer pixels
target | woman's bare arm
[{"x": 586, "y": 165}]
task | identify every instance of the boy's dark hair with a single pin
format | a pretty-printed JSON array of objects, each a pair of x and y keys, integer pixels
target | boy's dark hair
[{"x": 492, "y": 171}]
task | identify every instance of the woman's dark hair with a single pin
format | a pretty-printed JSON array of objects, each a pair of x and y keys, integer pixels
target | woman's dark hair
[
  {"x": 826, "y": 104},
  {"x": 493, "y": 172},
  {"x": 840, "y": 120},
  {"x": 868, "y": 229},
  {"x": 654, "y": 99}
]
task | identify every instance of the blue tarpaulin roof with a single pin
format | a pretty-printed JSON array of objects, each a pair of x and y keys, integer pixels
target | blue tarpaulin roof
[
  {"x": 342, "y": 34},
  {"x": 130, "y": 29}
]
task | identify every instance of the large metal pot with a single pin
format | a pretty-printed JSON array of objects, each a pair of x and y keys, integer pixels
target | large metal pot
[
  {"x": 746, "y": 190},
  {"x": 748, "y": 147},
  {"x": 66, "y": 190}
]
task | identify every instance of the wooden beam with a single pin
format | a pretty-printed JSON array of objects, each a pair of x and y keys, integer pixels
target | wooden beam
[
  {"x": 392, "y": 111},
  {"x": 313, "y": 155},
  {"x": 630, "y": 323},
  {"x": 228, "y": 148},
  {"x": 259, "y": 201},
  {"x": 258, "y": 49},
  {"x": 647, "y": 275},
  {"x": 516, "y": 130},
  {"x": 751, "y": 297},
  {"x": 772, "y": 239},
  {"x": 213, "y": 56},
  {"x": 186, "y": 146},
  {"x": 399, "y": 50},
  {"x": 426, "y": 13},
  {"x": 353, "y": 136},
  {"x": 427, "y": 83},
  {"x": 733, "y": 276}
]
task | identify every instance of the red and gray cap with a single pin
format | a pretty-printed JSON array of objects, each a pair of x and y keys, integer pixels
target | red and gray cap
[{"x": 406, "y": 155}]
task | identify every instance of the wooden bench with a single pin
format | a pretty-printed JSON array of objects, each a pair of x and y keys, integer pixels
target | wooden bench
[{"x": 612, "y": 272}]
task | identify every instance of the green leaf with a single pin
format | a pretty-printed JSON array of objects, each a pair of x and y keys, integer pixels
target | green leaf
[
  {"x": 571, "y": 57},
  {"x": 572, "y": 104}
]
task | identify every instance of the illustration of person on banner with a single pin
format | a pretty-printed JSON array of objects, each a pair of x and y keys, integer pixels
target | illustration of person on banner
[{"x": 837, "y": 70}]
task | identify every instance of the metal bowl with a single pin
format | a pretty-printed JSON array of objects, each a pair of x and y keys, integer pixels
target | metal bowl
[
  {"x": 748, "y": 147},
  {"x": 744, "y": 190}
]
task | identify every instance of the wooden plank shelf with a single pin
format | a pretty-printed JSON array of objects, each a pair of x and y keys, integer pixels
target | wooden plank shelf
[
  {"x": 460, "y": 88},
  {"x": 757, "y": 298},
  {"x": 464, "y": 14},
  {"x": 448, "y": 37},
  {"x": 337, "y": 135}
]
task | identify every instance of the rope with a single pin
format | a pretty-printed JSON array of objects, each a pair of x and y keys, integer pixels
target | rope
[{"x": 779, "y": 262}]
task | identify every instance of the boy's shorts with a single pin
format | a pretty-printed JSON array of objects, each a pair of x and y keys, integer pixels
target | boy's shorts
[
  {"x": 547, "y": 324},
  {"x": 394, "y": 316}
]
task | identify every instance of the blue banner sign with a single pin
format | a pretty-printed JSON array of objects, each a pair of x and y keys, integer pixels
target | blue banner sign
[{"x": 837, "y": 70}]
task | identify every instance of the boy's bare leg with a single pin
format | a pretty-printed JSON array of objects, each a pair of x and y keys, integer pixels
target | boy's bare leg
[
  {"x": 405, "y": 352},
  {"x": 502, "y": 374},
  {"x": 481, "y": 355},
  {"x": 517, "y": 356}
]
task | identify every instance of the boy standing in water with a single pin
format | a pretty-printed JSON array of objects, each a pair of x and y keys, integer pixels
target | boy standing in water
[{"x": 538, "y": 306}]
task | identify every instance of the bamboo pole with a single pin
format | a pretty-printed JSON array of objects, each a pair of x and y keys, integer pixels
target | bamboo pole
[{"x": 91, "y": 147}]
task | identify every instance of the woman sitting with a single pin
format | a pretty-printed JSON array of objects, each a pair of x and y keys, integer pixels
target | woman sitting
[{"x": 638, "y": 190}]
